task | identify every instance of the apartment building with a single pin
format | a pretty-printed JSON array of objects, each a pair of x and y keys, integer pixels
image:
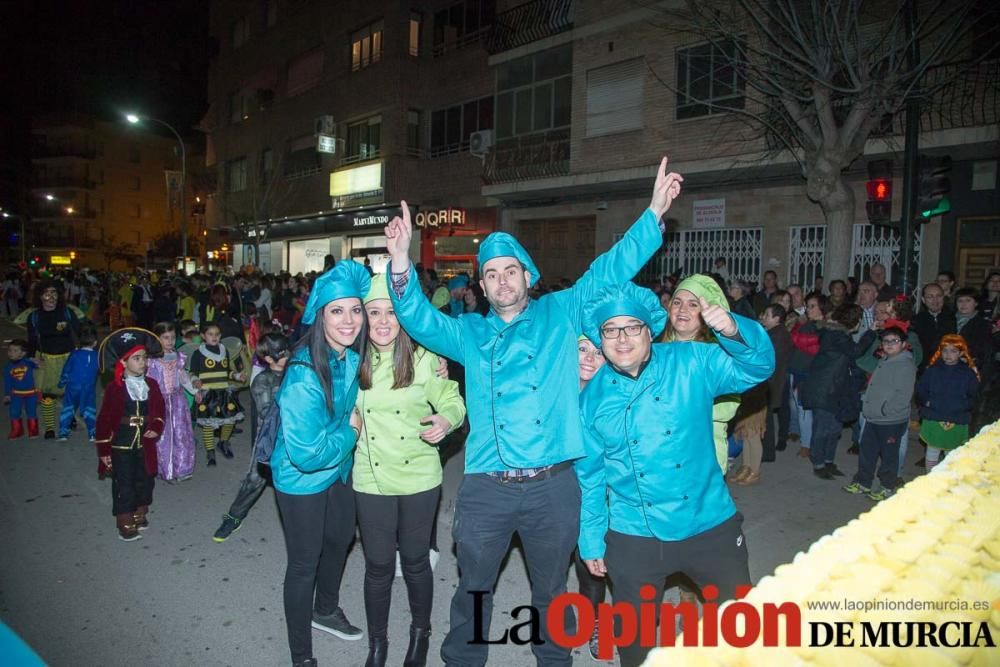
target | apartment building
[
  {"x": 324, "y": 116},
  {"x": 544, "y": 118},
  {"x": 99, "y": 192}
]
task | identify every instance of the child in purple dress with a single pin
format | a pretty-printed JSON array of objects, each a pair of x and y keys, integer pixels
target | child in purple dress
[{"x": 175, "y": 449}]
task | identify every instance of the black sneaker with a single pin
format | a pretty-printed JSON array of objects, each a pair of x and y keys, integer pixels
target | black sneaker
[
  {"x": 834, "y": 470},
  {"x": 337, "y": 625},
  {"x": 50, "y": 435},
  {"x": 593, "y": 645},
  {"x": 230, "y": 525},
  {"x": 226, "y": 450},
  {"x": 210, "y": 455},
  {"x": 855, "y": 449},
  {"x": 822, "y": 473}
]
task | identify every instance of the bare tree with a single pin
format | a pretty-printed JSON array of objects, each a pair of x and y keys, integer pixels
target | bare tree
[
  {"x": 818, "y": 77},
  {"x": 266, "y": 194},
  {"x": 115, "y": 250}
]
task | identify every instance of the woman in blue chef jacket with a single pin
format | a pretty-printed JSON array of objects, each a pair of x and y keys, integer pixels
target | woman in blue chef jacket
[
  {"x": 653, "y": 501},
  {"x": 314, "y": 454}
]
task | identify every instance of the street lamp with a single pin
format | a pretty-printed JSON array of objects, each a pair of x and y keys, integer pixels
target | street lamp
[{"x": 134, "y": 120}]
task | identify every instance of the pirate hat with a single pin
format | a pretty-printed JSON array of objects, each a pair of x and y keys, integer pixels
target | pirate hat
[{"x": 121, "y": 344}]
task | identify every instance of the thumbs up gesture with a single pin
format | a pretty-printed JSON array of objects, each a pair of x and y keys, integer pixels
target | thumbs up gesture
[{"x": 718, "y": 318}]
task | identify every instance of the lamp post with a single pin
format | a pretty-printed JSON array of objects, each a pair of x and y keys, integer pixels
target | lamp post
[{"x": 135, "y": 119}]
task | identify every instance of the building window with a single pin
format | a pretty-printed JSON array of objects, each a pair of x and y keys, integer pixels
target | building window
[
  {"x": 461, "y": 24},
  {"x": 135, "y": 211},
  {"x": 241, "y": 32},
  {"x": 413, "y": 132},
  {"x": 366, "y": 46},
  {"x": 236, "y": 175},
  {"x": 133, "y": 154},
  {"x": 451, "y": 127},
  {"x": 534, "y": 93},
  {"x": 240, "y": 104},
  {"x": 301, "y": 158},
  {"x": 305, "y": 72},
  {"x": 266, "y": 165},
  {"x": 270, "y": 12},
  {"x": 614, "y": 98},
  {"x": 135, "y": 184},
  {"x": 708, "y": 81},
  {"x": 364, "y": 139},
  {"x": 416, "y": 19}
]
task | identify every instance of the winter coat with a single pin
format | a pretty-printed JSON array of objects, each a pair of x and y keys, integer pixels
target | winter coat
[
  {"x": 781, "y": 340},
  {"x": 521, "y": 376},
  {"x": 978, "y": 334},
  {"x": 931, "y": 328},
  {"x": 650, "y": 468},
  {"x": 947, "y": 393},
  {"x": 805, "y": 345},
  {"x": 887, "y": 400},
  {"x": 834, "y": 382},
  {"x": 314, "y": 448}
]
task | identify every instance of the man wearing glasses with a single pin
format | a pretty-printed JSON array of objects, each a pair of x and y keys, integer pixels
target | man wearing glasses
[
  {"x": 654, "y": 502},
  {"x": 523, "y": 404}
]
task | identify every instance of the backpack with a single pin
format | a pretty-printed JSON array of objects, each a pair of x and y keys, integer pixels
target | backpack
[{"x": 270, "y": 423}]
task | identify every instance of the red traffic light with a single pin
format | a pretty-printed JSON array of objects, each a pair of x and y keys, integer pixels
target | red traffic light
[{"x": 879, "y": 190}]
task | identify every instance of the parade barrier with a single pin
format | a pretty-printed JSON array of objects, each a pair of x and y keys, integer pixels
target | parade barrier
[{"x": 913, "y": 581}]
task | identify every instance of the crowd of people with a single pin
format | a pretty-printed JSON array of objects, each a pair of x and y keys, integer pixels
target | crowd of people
[{"x": 616, "y": 458}]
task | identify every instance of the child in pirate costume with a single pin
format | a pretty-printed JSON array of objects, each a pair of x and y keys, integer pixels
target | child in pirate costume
[
  {"x": 216, "y": 406},
  {"x": 53, "y": 328},
  {"x": 128, "y": 426}
]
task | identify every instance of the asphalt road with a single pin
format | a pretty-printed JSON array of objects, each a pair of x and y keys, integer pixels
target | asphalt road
[{"x": 81, "y": 597}]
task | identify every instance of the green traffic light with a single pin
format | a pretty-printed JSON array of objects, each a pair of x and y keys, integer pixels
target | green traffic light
[{"x": 943, "y": 206}]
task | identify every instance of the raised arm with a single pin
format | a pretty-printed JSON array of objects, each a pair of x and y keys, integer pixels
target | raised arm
[
  {"x": 630, "y": 254},
  {"x": 422, "y": 321},
  {"x": 744, "y": 356}
]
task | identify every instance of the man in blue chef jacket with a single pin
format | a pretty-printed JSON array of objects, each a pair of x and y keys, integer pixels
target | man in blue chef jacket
[{"x": 523, "y": 404}]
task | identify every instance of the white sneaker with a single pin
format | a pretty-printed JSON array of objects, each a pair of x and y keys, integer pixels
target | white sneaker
[
  {"x": 399, "y": 566},
  {"x": 435, "y": 556}
]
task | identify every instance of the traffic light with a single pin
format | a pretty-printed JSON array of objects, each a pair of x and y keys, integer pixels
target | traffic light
[
  {"x": 879, "y": 187},
  {"x": 933, "y": 187}
]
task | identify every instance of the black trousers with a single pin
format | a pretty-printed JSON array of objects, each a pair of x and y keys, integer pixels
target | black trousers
[
  {"x": 880, "y": 441},
  {"x": 717, "y": 557},
  {"x": 131, "y": 486},
  {"x": 319, "y": 529},
  {"x": 385, "y": 522}
]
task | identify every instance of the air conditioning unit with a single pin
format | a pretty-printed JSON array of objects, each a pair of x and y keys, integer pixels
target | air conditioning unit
[
  {"x": 480, "y": 142},
  {"x": 325, "y": 125}
]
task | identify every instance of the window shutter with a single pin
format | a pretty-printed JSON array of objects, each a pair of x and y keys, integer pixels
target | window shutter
[{"x": 614, "y": 98}]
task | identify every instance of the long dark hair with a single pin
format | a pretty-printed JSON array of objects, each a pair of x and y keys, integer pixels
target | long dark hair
[
  {"x": 319, "y": 351},
  {"x": 402, "y": 364}
]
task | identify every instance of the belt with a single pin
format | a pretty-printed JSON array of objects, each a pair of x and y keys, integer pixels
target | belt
[{"x": 548, "y": 473}]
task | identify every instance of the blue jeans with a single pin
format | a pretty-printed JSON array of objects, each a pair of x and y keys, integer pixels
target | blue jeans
[
  {"x": 546, "y": 516},
  {"x": 825, "y": 435}
]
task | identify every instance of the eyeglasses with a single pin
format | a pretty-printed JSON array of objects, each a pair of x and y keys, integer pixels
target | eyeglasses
[
  {"x": 614, "y": 333},
  {"x": 891, "y": 341}
]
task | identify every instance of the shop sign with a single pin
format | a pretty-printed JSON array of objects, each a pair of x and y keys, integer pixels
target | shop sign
[
  {"x": 60, "y": 260},
  {"x": 709, "y": 213},
  {"x": 371, "y": 219},
  {"x": 446, "y": 216},
  {"x": 326, "y": 144},
  {"x": 356, "y": 182}
]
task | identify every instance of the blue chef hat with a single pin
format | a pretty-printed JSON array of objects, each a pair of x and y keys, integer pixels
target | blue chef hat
[
  {"x": 502, "y": 244},
  {"x": 628, "y": 299},
  {"x": 344, "y": 280},
  {"x": 460, "y": 280}
]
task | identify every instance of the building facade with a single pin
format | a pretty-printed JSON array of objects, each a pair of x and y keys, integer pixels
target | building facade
[
  {"x": 323, "y": 119},
  {"x": 546, "y": 119},
  {"x": 105, "y": 194}
]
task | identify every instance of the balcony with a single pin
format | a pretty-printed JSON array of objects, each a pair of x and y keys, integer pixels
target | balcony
[
  {"x": 541, "y": 155},
  {"x": 58, "y": 238},
  {"x": 45, "y": 152},
  {"x": 68, "y": 182},
  {"x": 528, "y": 23}
]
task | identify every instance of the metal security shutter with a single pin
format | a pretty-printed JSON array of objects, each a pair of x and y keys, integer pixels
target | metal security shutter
[{"x": 614, "y": 98}]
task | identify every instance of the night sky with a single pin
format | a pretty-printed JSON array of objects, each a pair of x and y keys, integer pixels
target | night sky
[{"x": 102, "y": 57}]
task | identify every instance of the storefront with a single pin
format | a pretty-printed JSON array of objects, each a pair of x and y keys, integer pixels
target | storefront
[{"x": 450, "y": 238}]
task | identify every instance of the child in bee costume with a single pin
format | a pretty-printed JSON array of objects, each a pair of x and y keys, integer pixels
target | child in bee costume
[
  {"x": 128, "y": 426},
  {"x": 216, "y": 405}
]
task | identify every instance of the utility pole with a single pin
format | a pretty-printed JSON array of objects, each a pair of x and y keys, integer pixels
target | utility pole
[{"x": 910, "y": 159}]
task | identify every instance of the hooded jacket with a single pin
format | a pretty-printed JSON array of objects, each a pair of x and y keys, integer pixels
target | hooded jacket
[
  {"x": 650, "y": 468},
  {"x": 829, "y": 385},
  {"x": 887, "y": 400},
  {"x": 521, "y": 376}
]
